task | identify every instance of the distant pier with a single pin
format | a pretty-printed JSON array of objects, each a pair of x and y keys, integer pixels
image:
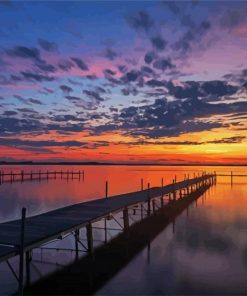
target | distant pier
[{"x": 22, "y": 176}]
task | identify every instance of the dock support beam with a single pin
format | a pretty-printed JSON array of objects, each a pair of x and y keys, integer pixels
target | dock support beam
[
  {"x": 90, "y": 239},
  {"x": 21, "y": 260},
  {"x": 28, "y": 274},
  {"x": 126, "y": 219},
  {"x": 77, "y": 234}
]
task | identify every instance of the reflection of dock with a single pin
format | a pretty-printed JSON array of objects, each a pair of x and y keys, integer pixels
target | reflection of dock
[
  {"x": 23, "y": 176},
  {"x": 21, "y": 236}
]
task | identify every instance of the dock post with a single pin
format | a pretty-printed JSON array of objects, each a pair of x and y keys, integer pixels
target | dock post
[
  {"x": 22, "y": 176},
  {"x": 149, "y": 205},
  {"x": 83, "y": 175},
  {"x": 162, "y": 195},
  {"x": 174, "y": 189},
  {"x": 105, "y": 228},
  {"x": 77, "y": 233},
  {"x": 106, "y": 189},
  {"x": 126, "y": 219},
  {"x": 90, "y": 239},
  {"x": 28, "y": 260},
  {"x": 231, "y": 178},
  {"x": 21, "y": 259},
  {"x": 11, "y": 177},
  {"x": 39, "y": 175},
  {"x": 31, "y": 175},
  {"x": 141, "y": 184},
  {"x": 153, "y": 204}
]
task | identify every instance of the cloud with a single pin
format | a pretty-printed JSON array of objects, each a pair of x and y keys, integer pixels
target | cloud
[
  {"x": 35, "y": 101},
  {"x": 65, "y": 65},
  {"x": 9, "y": 113},
  {"x": 191, "y": 37},
  {"x": 163, "y": 64},
  {"x": 47, "y": 45},
  {"x": 140, "y": 21},
  {"x": 36, "y": 77},
  {"x": 172, "y": 6},
  {"x": 110, "y": 54},
  {"x": 24, "y": 52},
  {"x": 66, "y": 89},
  {"x": 80, "y": 64},
  {"x": 93, "y": 95},
  {"x": 158, "y": 43},
  {"x": 163, "y": 118},
  {"x": 149, "y": 57}
]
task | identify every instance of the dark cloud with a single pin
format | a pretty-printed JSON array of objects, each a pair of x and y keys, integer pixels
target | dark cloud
[
  {"x": 149, "y": 57},
  {"x": 10, "y": 113},
  {"x": 122, "y": 68},
  {"x": 45, "y": 67},
  {"x": 24, "y": 52},
  {"x": 73, "y": 98},
  {"x": 93, "y": 95},
  {"x": 163, "y": 64},
  {"x": 36, "y": 77},
  {"x": 156, "y": 83},
  {"x": 132, "y": 75},
  {"x": 12, "y": 125},
  {"x": 66, "y": 89},
  {"x": 231, "y": 18},
  {"x": 65, "y": 65},
  {"x": 27, "y": 110},
  {"x": 47, "y": 45},
  {"x": 110, "y": 54},
  {"x": 67, "y": 117},
  {"x": 172, "y": 6},
  {"x": 158, "y": 43},
  {"x": 35, "y": 101},
  {"x": 230, "y": 140},
  {"x": 140, "y": 21},
  {"x": 191, "y": 37},
  {"x": 163, "y": 118},
  {"x": 80, "y": 64}
]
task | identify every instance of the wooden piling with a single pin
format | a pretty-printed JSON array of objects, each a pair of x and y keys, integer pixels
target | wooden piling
[
  {"x": 149, "y": 205},
  {"x": 90, "y": 239},
  {"x": 106, "y": 189},
  {"x": 126, "y": 219},
  {"x": 77, "y": 234},
  {"x": 21, "y": 257},
  {"x": 141, "y": 184}
]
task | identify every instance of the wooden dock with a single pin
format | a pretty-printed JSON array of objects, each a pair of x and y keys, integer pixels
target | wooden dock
[
  {"x": 19, "y": 237},
  {"x": 86, "y": 275}
]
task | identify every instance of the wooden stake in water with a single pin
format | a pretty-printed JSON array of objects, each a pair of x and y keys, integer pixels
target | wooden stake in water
[
  {"x": 106, "y": 189},
  {"x": 21, "y": 260}
]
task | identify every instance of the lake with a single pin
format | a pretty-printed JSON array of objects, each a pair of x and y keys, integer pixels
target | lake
[{"x": 204, "y": 252}]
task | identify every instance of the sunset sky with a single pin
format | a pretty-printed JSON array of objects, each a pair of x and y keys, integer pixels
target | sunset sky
[{"x": 118, "y": 81}]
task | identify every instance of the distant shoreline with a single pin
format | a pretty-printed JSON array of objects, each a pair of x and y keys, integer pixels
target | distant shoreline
[{"x": 2, "y": 163}]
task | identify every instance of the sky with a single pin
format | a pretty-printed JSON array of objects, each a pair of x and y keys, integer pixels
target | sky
[{"x": 123, "y": 81}]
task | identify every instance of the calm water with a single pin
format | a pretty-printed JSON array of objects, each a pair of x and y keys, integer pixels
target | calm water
[{"x": 206, "y": 253}]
